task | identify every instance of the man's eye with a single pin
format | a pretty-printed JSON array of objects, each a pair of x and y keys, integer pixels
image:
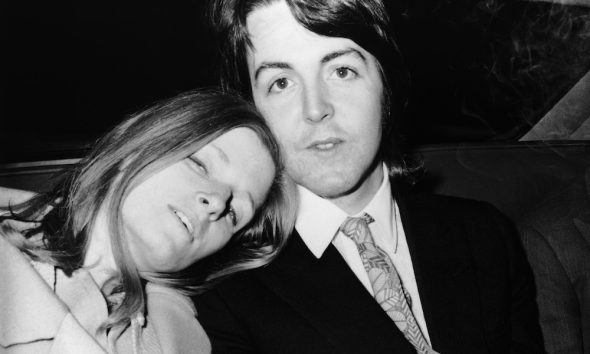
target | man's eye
[
  {"x": 279, "y": 85},
  {"x": 344, "y": 73},
  {"x": 198, "y": 164}
]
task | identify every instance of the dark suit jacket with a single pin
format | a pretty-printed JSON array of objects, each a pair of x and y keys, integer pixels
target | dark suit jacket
[
  {"x": 556, "y": 237},
  {"x": 474, "y": 283}
]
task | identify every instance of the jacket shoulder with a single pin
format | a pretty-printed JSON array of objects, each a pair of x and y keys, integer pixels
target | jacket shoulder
[{"x": 450, "y": 207}]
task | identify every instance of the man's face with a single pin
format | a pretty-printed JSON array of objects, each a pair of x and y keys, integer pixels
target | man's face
[{"x": 321, "y": 97}]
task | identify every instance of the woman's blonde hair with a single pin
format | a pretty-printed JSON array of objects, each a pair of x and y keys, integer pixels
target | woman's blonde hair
[{"x": 135, "y": 149}]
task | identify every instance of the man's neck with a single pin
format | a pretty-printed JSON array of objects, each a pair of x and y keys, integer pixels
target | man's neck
[{"x": 355, "y": 201}]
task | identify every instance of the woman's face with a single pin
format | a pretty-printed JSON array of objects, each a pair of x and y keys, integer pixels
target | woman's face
[{"x": 190, "y": 209}]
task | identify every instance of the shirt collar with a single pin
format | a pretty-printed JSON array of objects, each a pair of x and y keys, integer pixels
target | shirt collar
[
  {"x": 318, "y": 219},
  {"x": 381, "y": 206}
]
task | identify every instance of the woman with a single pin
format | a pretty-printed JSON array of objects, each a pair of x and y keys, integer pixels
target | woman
[{"x": 109, "y": 266}]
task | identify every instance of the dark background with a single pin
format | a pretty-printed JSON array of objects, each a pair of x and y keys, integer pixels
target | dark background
[{"x": 481, "y": 70}]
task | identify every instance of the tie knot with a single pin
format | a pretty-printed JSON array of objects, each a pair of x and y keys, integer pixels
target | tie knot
[{"x": 357, "y": 228}]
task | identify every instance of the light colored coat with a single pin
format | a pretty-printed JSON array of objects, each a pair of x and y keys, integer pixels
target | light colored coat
[{"x": 44, "y": 311}]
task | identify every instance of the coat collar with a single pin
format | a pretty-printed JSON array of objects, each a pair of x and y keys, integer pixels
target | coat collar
[
  {"x": 443, "y": 268},
  {"x": 30, "y": 310}
]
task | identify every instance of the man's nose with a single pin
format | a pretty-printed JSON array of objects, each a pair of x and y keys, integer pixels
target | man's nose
[
  {"x": 211, "y": 205},
  {"x": 317, "y": 104}
]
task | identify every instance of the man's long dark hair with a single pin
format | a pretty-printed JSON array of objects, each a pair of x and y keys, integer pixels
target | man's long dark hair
[{"x": 366, "y": 22}]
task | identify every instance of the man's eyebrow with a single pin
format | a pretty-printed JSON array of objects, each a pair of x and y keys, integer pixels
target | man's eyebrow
[
  {"x": 271, "y": 65},
  {"x": 339, "y": 53},
  {"x": 325, "y": 59}
]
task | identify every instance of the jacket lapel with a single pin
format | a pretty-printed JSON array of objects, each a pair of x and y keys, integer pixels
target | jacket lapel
[
  {"x": 328, "y": 294},
  {"x": 444, "y": 274}
]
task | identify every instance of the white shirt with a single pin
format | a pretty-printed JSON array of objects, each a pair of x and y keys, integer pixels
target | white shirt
[{"x": 318, "y": 223}]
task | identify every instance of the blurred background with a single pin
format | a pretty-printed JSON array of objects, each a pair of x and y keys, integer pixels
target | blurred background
[{"x": 482, "y": 71}]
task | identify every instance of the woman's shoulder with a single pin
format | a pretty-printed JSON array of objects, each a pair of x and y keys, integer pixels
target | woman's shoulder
[
  {"x": 24, "y": 298},
  {"x": 170, "y": 326},
  {"x": 16, "y": 264},
  {"x": 160, "y": 295},
  {"x": 173, "y": 318}
]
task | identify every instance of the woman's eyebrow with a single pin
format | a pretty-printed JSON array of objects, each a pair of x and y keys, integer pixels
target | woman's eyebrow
[
  {"x": 220, "y": 153},
  {"x": 250, "y": 201}
]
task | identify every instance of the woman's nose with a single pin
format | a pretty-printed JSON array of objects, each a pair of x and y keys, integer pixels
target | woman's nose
[{"x": 212, "y": 204}]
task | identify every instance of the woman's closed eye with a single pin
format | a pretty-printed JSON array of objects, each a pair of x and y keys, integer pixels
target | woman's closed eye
[
  {"x": 232, "y": 215},
  {"x": 198, "y": 164}
]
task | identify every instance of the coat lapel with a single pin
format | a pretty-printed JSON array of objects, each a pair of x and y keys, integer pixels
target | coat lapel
[
  {"x": 328, "y": 294},
  {"x": 444, "y": 274},
  {"x": 30, "y": 311}
]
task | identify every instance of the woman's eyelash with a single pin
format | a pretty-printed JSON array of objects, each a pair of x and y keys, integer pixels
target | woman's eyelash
[
  {"x": 233, "y": 216},
  {"x": 198, "y": 163}
]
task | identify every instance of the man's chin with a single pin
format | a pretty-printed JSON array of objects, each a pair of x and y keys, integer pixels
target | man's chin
[
  {"x": 348, "y": 189},
  {"x": 331, "y": 187}
]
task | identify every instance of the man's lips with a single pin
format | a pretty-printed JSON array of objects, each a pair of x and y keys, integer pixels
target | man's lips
[{"x": 325, "y": 144}]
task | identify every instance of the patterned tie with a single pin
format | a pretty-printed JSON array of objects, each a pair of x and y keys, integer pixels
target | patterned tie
[{"x": 386, "y": 283}]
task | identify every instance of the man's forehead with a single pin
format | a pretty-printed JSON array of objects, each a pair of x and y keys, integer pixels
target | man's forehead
[
  {"x": 276, "y": 35},
  {"x": 264, "y": 13},
  {"x": 269, "y": 24}
]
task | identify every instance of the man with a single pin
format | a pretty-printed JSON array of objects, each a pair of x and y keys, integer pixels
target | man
[{"x": 406, "y": 273}]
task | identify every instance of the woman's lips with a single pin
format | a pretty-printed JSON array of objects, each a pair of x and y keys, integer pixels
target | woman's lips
[{"x": 184, "y": 220}]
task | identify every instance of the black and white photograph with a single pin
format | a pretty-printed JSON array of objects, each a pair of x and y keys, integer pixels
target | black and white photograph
[{"x": 295, "y": 176}]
